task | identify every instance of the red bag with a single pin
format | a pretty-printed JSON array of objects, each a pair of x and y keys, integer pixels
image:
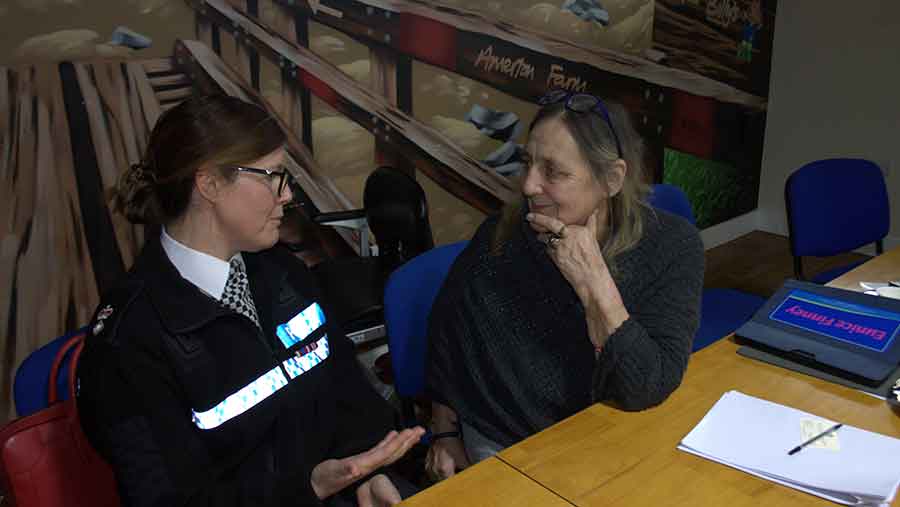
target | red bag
[{"x": 45, "y": 458}]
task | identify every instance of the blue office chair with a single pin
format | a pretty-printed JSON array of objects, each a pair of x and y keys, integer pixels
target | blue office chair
[
  {"x": 408, "y": 296},
  {"x": 31, "y": 386},
  {"x": 722, "y": 311},
  {"x": 835, "y": 206}
]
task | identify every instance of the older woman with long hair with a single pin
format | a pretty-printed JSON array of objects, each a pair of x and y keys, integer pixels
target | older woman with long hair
[{"x": 578, "y": 293}]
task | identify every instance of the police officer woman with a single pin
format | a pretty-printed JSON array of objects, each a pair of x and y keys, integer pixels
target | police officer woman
[{"x": 212, "y": 375}]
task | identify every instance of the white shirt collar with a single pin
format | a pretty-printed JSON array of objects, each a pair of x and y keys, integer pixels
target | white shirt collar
[{"x": 208, "y": 273}]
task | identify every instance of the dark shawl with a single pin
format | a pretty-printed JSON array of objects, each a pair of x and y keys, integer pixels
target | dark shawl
[{"x": 508, "y": 341}]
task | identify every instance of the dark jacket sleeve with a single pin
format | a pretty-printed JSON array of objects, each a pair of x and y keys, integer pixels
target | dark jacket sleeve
[
  {"x": 362, "y": 417},
  {"x": 129, "y": 406},
  {"x": 644, "y": 360}
]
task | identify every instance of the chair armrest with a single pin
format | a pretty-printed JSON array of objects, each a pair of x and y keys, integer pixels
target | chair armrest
[
  {"x": 341, "y": 218},
  {"x": 350, "y": 219}
]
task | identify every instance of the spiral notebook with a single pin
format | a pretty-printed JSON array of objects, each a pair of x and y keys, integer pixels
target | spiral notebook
[{"x": 850, "y": 466}]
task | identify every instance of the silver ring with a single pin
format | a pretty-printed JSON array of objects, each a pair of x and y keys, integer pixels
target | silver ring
[{"x": 553, "y": 242}]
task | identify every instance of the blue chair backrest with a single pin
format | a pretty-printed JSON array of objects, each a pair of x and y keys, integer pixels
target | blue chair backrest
[
  {"x": 408, "y": 296},
  {"x": 671, "y": 199},
  {"x": 32, "y": 382},
  {"x": 722, "y": 310},
  {"x": 836, "y": 205}
]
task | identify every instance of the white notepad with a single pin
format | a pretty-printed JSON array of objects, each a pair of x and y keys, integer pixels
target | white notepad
[{"x": 851, "y": 466}]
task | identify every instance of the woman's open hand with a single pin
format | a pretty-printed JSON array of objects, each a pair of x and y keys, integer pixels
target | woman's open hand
[{"x": 333, "y": 475}]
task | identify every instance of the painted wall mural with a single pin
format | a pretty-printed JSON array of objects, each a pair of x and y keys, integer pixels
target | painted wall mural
[
  {"x": 55, "y": 30},
  {"x": 621, "y": 25},
  {"x": 727, "y": 40},
  {"x": 357, "y": 86}
]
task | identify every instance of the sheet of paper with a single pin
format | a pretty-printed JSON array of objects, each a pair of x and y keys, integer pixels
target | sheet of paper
[
  {"x": 834, "y": 496},
  {"x": 755, "y": 435}
]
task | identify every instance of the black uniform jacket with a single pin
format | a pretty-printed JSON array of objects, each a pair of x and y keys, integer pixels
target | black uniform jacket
[{"x": 176, "y": 392}]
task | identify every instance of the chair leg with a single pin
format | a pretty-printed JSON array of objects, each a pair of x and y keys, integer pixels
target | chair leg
[
  {"x": 408, "y": 410},
  {"x": 879, "y": 247},
  {"x": 798, "y": 267}
]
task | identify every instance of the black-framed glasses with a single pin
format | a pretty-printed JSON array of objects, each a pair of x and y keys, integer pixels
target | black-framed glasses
[
  {"x": 582, "y": 103},
  {"x": 282, "y": 177}
]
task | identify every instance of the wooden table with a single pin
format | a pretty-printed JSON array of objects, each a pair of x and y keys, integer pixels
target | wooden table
[
  {"x": 489, "y": 483},
  {"x": 604, "y": 456},
  {"x": 883, "y": 268}
]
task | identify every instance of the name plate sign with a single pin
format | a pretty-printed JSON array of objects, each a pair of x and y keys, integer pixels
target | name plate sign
[{"x": 860, "y": 325}]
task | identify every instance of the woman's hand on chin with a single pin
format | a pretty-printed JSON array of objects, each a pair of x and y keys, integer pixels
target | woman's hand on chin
[
  {"x": 574, "y": 249},
  {"x": 576, "y": 252}
]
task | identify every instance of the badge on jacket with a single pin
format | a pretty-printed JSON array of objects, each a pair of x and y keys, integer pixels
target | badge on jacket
[{"x": 101, "y": 316}]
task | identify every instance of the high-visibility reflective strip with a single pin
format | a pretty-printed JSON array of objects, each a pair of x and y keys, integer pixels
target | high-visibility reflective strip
[{"x": 266, "y": 385}]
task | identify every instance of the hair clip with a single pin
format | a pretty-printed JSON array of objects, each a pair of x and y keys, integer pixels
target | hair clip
[{"x": 142, "y": 173}]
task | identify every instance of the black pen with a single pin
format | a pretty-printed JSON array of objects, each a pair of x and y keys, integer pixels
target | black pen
[{"x": 795, "y": 450}]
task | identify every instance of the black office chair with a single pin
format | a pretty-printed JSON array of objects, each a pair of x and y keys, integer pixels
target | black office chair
[{"x": 396, "y": 211}]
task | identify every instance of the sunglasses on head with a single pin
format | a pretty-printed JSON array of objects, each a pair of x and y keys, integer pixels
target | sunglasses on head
[{"x": 582, "y": 103}]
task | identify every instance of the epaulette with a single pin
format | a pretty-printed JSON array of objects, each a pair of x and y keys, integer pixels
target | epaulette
[{"x": 113, "y": 306}]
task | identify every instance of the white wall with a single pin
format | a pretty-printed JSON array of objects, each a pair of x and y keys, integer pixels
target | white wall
[{"x": 835, "y": 92}]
